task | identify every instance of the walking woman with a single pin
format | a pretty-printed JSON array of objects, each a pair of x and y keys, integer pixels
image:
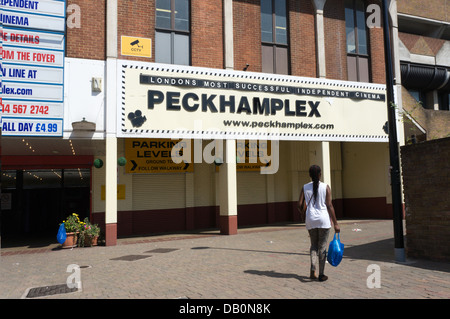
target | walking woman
[{"x": 316, "y": 196}]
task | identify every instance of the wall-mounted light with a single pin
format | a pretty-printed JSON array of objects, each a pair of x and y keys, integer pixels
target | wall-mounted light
[{"x": 96, "y": 84}]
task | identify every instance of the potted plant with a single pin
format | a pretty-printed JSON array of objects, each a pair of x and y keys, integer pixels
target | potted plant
[
  {"x": 72, "y": 224},
  {"x": 89, "y": 234}
]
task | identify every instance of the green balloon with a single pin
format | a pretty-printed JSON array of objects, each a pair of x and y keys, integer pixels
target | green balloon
[
  {"x": 98, "y": 163},
  {"x": 121, "y": 161}
]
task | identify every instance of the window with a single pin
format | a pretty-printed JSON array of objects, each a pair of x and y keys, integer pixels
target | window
[
  {"x": 172, "y": 39},
  {"x": 444, "y": 101},
  {"x": 274, "y": 37},
  {"x": 419, "y": 96},
  {"x": 357, "y": 41}
]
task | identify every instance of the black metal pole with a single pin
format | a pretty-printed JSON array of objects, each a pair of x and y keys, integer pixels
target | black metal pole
[{"x": 393, "y": 143}]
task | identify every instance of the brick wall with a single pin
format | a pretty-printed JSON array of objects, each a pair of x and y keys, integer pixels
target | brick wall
[
  {"x": 137, "y": 18},
  {"x": 336, "y": 44},
  {"x": 434, "y": 122},
  {"x": 376, "y": 45},
  {"x": 426, "y": 180},
  {"x": 302, "y": 38},
  {"x": 335, "y": 40},
  {"x": 435, "y": 9},
  {"x": 419, "y": 44},
  {"x": 247, "y": 35},
  {"x": 88, "y": 41},
  {"x": 207, "y": 34}
]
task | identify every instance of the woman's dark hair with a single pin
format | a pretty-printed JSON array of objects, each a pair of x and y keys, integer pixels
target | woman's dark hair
[{"x": 314, "y": 173}]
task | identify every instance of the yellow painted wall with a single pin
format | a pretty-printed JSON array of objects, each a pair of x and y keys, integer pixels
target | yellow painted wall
[
  {"x": 358, "y": 170},
  {"x": 365, "y": 170}
]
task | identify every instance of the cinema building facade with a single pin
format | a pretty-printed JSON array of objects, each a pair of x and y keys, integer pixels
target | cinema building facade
[{"x": 183, "y": 115}]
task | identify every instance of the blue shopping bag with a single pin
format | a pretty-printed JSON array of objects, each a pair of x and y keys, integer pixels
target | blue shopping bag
[
  {"x": 61, "y": 235},
  {"x": 335, "y": 251}
]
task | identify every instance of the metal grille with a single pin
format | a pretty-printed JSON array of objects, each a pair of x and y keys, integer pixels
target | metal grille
[
  {"x": 161, "y": 250},
  {"x": 50, "y": 290},
  {"x": 130, "y": 257}
]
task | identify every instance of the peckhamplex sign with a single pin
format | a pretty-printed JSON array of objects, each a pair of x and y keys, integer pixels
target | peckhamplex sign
[{"x": 170, "y": 101}]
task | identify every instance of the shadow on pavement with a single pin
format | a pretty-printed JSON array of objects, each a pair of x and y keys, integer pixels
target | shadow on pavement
[
  {"x": 275, "y": 274},
  {"x": 383, "y": 251},
  {"x": 252, "y": 250},
  {"x": 28, "y": 241}
]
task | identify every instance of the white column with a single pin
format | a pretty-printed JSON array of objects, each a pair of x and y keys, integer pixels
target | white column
[
  {"x": 321, "y": 150},
  {"x": 111, "y": 125},
  {"x": 270, "y": 198},
  {"x": 190, "y": 199},
  {"x": 227, "y": 171},
  {"x": 228, "y": 191},
  {"x": 228, "y": 34},
  {"x": 326, "y": 166},
  {"x": 111, "y": 180},
  {"x": 319, "y": 154},
  {"x": 320, "y": 38}
]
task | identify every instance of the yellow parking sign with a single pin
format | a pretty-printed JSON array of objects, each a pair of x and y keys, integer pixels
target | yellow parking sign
[
  {"x": 155, "y": 156},
  {"x": 135, "y": 46}
]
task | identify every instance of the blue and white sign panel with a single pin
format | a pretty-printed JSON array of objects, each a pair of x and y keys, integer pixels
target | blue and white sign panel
[
  {"x": 32, "y": 67},
  {"x": 30, "y": 56},
  {"x": 32, "y": 126},
  {"x": 24, "y": 73},
  {"x": 1, "y": 54},
  {"x": 33, "y": 39},
  {"x": 42, "y": 7},
  {"x": 32, "y": 21},
  {"x": 32, "y": 91},
  {"x": 33, "y": 109}
]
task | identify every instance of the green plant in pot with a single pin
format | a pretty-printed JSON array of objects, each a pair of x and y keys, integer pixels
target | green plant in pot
[
  {"x": 89, "y": 234},
  {"x": 73, "y": 227}
]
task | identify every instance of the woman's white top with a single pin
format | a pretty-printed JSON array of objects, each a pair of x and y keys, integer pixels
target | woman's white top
[{"x": 316, "y": 211}]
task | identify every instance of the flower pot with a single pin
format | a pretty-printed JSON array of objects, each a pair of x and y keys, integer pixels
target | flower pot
[
  {"x": 90, "y": 240},
  {"x": 71, "y": 240}
]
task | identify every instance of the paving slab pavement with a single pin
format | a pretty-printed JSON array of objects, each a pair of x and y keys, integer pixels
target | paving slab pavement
[{"x": 263, "y": 263}]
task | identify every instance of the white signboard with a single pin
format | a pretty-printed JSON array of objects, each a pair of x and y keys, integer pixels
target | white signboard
[
  {"x": 32, "y": 91},
  {"x": 33, "y": 56},
  {"x": 32, "y": 67},
  {"x": 188, "y": 102},
  {"x": 13, "y": 126},
  {"x": 43, "y": 7},
  {"x": 32, "y": 21},
  {"x": 32, "y": 39},
  {"x": 36, "y": 74},
  {"x": 32, "y": 109}
]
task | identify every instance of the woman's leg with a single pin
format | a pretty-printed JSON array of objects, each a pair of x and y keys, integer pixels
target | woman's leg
[
  {"x": 313, "y": 250},
  {"x": 322, "y": 248}
]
